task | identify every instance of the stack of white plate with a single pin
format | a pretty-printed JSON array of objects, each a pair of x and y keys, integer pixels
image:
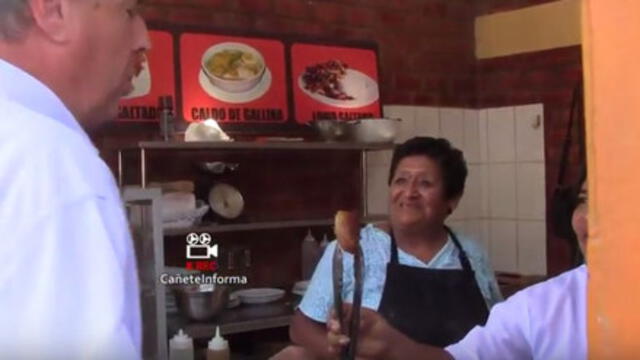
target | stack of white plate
[
  {"x": 260, "y": 295},
  {"x": 234, "y": 301},
  {"x": 300, "y": 287}
]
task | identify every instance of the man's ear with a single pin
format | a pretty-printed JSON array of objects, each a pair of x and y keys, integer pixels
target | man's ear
[{"x": 51, "y": 17}]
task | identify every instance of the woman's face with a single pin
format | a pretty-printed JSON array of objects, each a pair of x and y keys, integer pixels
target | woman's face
[
  {"x": 417, "y": 193},
  {"x": 579, "y": 219}
]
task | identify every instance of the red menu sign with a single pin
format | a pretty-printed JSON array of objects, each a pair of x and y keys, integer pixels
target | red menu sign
[
  {"x": 233, "y": 79},
  {"x": 331, "y": 82},
  {"x": 156, "y": 79}
]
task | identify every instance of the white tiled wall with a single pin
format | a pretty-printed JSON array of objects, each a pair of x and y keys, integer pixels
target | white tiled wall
[{"x": 504, "y": 202}]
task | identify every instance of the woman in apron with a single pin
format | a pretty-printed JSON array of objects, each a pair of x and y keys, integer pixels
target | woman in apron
[
  {"x": 427, "y": 281},
  {"x": 546, "y": 321}
]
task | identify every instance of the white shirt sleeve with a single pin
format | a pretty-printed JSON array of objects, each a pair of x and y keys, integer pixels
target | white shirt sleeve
[
  {"x": 504, "y": 336},
  {"x": 66, "y": 285}
]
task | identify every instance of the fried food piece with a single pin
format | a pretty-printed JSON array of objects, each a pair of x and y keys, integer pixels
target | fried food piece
[
  {"x": 326, "y": 79},
  {"x": 347, "y": 229}
]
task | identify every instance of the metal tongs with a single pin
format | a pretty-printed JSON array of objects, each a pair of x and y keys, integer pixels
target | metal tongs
[{"x": 349, "y": 352}]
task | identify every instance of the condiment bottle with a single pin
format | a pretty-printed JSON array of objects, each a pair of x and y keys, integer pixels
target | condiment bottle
[
  {"x": 309, "y": 251},
  {"x": 165, "y": 109},
  {"x": 323, "y": 244},
  {"x": 322, "y": 248},
  {"x": 218, "y": 348},
  {"x": 181, "y": 347}
]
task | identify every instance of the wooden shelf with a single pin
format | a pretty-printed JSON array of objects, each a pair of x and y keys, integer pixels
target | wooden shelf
[
  {"x": 218, "y": 228},
  {"x": 267, "y": 145}
]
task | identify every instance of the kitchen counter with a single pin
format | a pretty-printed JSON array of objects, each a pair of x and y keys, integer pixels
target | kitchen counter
[{"x": 244, "y": 318}]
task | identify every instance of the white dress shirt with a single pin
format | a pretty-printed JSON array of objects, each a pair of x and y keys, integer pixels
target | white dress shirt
[
  {"x": 68, "y": 281},
  {"x": 544, "y": 322}
]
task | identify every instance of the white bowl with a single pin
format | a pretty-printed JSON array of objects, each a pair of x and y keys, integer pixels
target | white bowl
[
  {"x": 260, "y": 295},
  {"x": 233, "y": 85}
]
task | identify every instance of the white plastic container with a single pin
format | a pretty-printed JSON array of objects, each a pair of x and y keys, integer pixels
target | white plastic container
[
  {"x": 181, "y": 347},
  {"x": 323, "y": 244},
  {"x": 309, "y": 255},
  {"x": 218, "y": 348}
]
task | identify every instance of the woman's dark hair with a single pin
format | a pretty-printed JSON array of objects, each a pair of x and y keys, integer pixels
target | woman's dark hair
[{"x": 449, "y": 159}]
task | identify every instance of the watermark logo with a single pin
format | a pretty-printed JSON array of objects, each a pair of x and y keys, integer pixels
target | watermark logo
[{"x": 199, "y": 248}]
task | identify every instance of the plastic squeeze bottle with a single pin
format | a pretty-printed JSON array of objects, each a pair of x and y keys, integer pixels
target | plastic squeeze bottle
[
  {"x": 309, "y": 251},
  {"x": 218, "y": 348},
  {"x": 181, "y": 347},
  {"x": 323, "y": 244}
]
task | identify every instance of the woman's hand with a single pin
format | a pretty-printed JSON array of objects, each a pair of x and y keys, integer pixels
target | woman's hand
[
  {"x": 335, "y": 338},
  {"x": 374, "y": 336},
  {"x": 377, "y": 339}
]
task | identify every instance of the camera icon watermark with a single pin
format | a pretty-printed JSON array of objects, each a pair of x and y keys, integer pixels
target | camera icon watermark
[{"x": 199, "y": 247}]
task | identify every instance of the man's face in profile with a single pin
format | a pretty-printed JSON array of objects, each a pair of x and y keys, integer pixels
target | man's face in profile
[{"x": 108, "y": 39}]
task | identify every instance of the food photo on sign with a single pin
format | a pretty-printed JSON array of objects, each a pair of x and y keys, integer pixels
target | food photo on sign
[
  {"x": 334, "y": 83},
  {"x": 233, "y": 79},
  {"x": 153, "y": 78},
  {"x": 141, "y": 81},
  {"x": 234, "y": 72}
]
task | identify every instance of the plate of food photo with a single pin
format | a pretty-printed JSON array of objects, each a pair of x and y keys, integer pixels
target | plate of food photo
[
  {"x": 141, "y": 80},
  {"x": 234, "y": 72},
  {"x": 334, "y": 83}
]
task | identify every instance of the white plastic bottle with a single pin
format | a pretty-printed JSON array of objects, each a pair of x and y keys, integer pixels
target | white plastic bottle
[
  {"x": 309, "y": 251},
  {"x": 218, "y": 348},
  {"x": 181, "y": 347},
  {"x": 323, "y": 244}
]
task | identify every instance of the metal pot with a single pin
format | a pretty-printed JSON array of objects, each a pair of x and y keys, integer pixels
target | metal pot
[
  {"x": 374, "y": 130},
  {"x": 330, "y": 130},
  {"x": 201, "y": 302}
]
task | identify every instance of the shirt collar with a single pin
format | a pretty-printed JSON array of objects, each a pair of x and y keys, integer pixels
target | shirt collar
[{"x": 18, "y": 86}]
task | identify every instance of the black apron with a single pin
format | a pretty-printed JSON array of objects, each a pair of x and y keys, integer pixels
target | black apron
[{"x": 432, "y": 306}]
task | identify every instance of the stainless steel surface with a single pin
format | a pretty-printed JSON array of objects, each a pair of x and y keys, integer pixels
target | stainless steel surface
[
  {"x": 120, "y": 174},
  {"x": 349, "y": 352},
  {"x": 336, "y": 273},
  {"x": 218, "y": 167},
  {"x": 244, "y": 318},
  {"x": 143, "y": 168},
  {"x": 231, "y": 145},
  {"x": 331, "y": 130},
  {"x": 374, "y": 131},
  {"x": 201, "y": 305},
  {"x": 358, "y": 262},
  {"x": 267, "y": 225},
  {"x": 147, "y": 236},
  {"x": 365, "y": 184}
]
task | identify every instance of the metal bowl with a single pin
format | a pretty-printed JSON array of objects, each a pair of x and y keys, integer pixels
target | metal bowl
[
  {"x": 330, "y": 130},
  {"x": 379, "y": 130},
  {"x": 201, "y": 302}
]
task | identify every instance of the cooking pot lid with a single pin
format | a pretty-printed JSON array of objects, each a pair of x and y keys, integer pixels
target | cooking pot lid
[{"x": 226, "y": 201}]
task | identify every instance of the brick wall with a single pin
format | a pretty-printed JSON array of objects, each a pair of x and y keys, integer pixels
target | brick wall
[
  {"x": 426, "y": 46},
  {"x": 546, "y": 77},
  {"x": 485, "y": 7},
  {"x": 426, "y": 58}
]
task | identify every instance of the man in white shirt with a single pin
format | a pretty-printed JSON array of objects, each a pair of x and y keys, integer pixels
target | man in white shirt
[
  {"x": 544, "y": 322},
  {"x": 68, "y": 283}
]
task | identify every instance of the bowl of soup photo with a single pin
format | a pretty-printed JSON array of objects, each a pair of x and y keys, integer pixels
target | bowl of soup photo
[{"x": 233, "y": 67}]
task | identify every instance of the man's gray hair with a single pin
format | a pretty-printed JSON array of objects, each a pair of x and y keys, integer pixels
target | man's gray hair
[{"x": 15, "y": 18}]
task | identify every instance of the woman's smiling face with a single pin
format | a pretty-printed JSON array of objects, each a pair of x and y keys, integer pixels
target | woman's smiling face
[{"x": 417, "y": 193}]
